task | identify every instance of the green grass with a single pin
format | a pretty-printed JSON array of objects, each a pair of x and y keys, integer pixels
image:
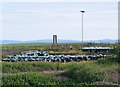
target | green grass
[
  {"x": 31, "y": 79},
  {"x": 76, "y": 73},
  {"x": 15, "y": 67},
  {"x": 85, "y": 73},
  {"x": 14, "y": 49}
]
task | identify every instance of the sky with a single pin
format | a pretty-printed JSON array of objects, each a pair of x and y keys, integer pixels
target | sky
[{"x": 40, "y": 20}]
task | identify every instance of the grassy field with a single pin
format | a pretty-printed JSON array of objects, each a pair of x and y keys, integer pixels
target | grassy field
[
  {"x": 101, "y": 72},
  {"x": 13, "y": 49}
]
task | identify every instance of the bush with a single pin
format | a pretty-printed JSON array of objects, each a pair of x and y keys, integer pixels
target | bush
[
  {"x": 116, "y": 51},
  {"x": 106, "y": 61},
  {"x": 85, "y": 73}
]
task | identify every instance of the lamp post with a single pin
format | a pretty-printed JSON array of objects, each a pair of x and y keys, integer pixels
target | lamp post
[{"x": 82, "y": 11}]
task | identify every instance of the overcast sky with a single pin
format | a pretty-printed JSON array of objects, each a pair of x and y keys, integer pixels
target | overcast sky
[{"x": 40, "y": 20}]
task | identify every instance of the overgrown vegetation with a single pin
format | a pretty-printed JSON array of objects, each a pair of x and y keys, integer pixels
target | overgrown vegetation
[
  {"x": 15, "y": 67},
  {"x": 74, "y": 73},
  {"x": 100, "y": 72},
  {"x": 86, "y": 73}
]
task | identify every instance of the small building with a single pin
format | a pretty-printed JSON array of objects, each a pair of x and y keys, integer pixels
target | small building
[{"x": 97, "y": 49}]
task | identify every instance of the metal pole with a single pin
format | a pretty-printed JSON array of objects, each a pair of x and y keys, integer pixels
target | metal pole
[
  {"x": 82, "y": 30},
  {"x": 82, "y": 27}
]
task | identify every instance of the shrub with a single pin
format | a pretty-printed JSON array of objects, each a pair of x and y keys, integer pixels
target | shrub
[
  {"x": 106, "y": 61},
  {"x": 85, "y": 73}
]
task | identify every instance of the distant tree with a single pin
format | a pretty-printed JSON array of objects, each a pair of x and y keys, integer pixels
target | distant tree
[{"x": 116, "y": 51}]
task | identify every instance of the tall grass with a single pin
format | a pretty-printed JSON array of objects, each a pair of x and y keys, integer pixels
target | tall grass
[
  {"x": 31, "y": 79},
  {"x": 28, "y": 66},
  {"x": 75, "y": 73},
  {"x": 86, "y": 73}
]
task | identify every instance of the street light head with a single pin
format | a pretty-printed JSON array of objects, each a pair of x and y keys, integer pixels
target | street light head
[{"x": 82, "y": 11}]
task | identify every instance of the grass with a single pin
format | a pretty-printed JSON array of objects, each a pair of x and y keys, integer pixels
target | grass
[
  {"x": 13, "y": 49},
  {"x": 27, "y": 66},
  {"x": 74, "y": 73},
  {"x": 100, "y": 72},
  {"x": 31, "y": 79}
]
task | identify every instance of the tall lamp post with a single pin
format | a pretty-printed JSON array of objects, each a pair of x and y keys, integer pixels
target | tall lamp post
[{"x": 82, "y": 11}]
